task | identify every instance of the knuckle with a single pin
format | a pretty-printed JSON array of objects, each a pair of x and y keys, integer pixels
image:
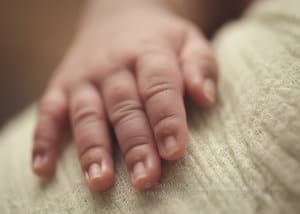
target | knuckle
[
  {"x": 91, "y": 154},
  {"x": 42, "y": 134},
  {"x": 125, "y": 111},
  {"x": 45, "y": 136},
  {"x": 86, "y": 109},
  {"x": 86, "y": 139},
  {"x": 156, "y": 87},
  {"x": 161, "y": 75},
  {"x": 118, "y": 93},
  {"x": 86, "y": 116},
  {"x": 84, "y": 150},
  {"x": 166, "y": 124},
  {"x": 133, "y": 143}
]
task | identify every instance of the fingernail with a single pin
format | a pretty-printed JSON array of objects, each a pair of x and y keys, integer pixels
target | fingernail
[
  {"x": 170, "y": 145},
  {"x": 38, "y": 161},
  {"x": 94, "y": 172},
  {"x": 209, "y": 89},
  {"x": 139, "y": 171}
]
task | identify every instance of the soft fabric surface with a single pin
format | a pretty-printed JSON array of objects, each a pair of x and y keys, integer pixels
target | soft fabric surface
[{"x": 243, "y": 157}]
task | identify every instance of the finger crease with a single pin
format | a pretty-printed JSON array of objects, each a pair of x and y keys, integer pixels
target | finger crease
[
  {"x": 92, "y": 147},
  {"x": 158, "y": 89},
  {"x": 139, "y": 141}
]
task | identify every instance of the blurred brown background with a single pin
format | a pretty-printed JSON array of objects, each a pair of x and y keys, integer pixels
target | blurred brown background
[{"x": 33, "y": 37}]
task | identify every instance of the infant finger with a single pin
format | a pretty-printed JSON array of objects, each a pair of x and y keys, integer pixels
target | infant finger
[
  {"x": 92, "y": 137},
  {"x": 132, "y": 128},
  {"x": 199, "y": 69},
  {"x": 52, "y": 118},
  {"x": 160, "y": 85}
]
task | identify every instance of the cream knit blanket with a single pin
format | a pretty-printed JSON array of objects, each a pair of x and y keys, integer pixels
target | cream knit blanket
[{"x": 243, "y": 157}]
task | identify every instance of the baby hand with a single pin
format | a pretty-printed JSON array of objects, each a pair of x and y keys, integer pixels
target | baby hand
[{"x": 129, "y": 71}]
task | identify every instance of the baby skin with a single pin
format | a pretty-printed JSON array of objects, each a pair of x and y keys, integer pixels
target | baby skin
[{"x": 127, "y": 72}]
